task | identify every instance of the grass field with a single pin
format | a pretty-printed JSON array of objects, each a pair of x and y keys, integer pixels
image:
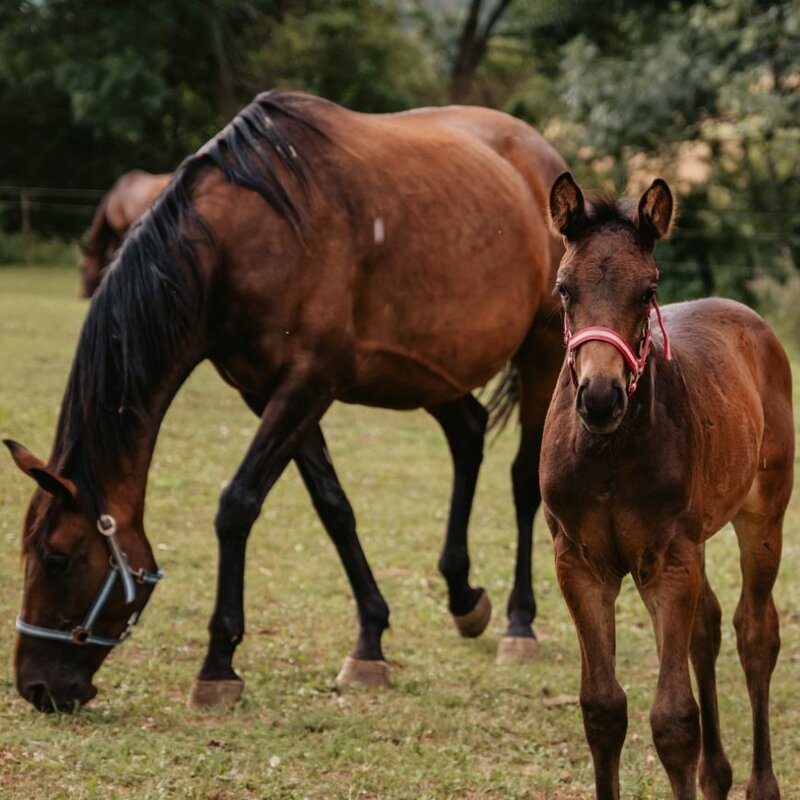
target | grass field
[{"x": 453, "y": 725}]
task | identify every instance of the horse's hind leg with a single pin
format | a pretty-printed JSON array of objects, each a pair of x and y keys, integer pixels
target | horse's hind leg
[
  {"x": 715, "y": 769},
  {"x": 757, "y": 636},
  {"x": 365, "y": 666},
  {"x": 464, "y": 424},
  {"x": 296, "y": 404},
  {"x": 538, "y": 364}
]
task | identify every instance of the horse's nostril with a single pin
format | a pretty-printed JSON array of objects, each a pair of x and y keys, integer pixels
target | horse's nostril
[{"x": 38, "y": 695}]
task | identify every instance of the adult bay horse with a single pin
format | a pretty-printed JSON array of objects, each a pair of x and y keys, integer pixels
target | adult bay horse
[
  {"x": 122, "y": 205},
  {"x": 312, "y": 254},
  {"x": 649, "y": 448}
]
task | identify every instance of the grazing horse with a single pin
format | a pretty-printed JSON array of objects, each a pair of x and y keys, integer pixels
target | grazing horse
[
  {"x": 130, "y": 196},
  {"x": 650, "y": 447},
  {"x": 311, "y": 254}
]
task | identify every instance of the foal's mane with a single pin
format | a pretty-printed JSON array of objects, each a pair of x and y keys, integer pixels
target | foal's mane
[
  {"x": 606, "y": 210},
  {"x": 146, "y": 321}
]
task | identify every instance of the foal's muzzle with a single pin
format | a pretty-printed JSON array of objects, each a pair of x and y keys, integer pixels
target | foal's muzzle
[{"x": 601, "y": 403}]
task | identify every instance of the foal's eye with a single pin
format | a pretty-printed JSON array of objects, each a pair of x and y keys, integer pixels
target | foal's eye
[
  {"x": 648, "y": 296},
  {"x": 562, "y": 290},
  {"x": 56, "y": 565}
]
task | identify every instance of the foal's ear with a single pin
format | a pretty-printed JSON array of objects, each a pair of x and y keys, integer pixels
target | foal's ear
[
  {"x": 656, "y": 211},
  {"x": 567, "y": 211},
  {"x": 36, "y": 468}
]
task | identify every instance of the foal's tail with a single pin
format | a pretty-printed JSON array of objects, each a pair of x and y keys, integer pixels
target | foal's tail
[{"x": 504, "y": 398}]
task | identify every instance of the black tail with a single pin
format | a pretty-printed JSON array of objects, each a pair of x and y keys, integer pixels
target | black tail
[{"x": 504, "y": 398}]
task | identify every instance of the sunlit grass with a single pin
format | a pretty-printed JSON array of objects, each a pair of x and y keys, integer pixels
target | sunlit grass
[{"x": 453, "y": 725}]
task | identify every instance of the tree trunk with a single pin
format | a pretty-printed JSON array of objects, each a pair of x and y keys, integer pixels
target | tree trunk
[{"x": 472, "y": 46}]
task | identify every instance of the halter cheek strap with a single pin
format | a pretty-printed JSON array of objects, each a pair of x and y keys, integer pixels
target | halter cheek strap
[
  {"x": 635, "y": 362},
  {"x": 119, "y": 570}
]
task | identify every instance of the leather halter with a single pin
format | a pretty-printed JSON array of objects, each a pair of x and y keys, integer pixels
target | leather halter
[
  {"x": 635, "y": 362},
  {"x": 119, "y": 568}
]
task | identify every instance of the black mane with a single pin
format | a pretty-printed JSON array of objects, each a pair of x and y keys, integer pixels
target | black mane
[{"x": 146, "y": 321}]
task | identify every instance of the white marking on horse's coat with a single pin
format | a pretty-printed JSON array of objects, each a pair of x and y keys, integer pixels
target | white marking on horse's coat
[{"x": 379, "y": 230}]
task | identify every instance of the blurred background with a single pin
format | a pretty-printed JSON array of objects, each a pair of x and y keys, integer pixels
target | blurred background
[{"x": 705, "y": 94}]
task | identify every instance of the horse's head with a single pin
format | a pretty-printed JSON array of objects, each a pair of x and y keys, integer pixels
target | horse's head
[
  {"x": 77, "y": 604},
  {"x": 607, "y": 280}
]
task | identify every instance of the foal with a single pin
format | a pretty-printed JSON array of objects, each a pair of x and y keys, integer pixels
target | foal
[{"x": 643, "y": 459}]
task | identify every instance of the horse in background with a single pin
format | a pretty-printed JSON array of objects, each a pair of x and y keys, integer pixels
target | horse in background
[
  {"x": 122, "y": 205},
  {"x": 651, "y": 445},
  {"x": 312, "y": 254}
]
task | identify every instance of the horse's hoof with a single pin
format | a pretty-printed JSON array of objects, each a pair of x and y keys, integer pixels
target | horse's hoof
[
  {"x": 364, "y": 674},
  {"x": 517, "y": 650},
  {"x": 210, "y": 694},
  {"x": 474, "y": 622}
]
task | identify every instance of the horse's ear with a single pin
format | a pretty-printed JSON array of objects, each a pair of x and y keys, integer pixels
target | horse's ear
[
  {"x": 35, "y": 468},
  {"x": 656, "y": 211},
  {"x": 567, "y": 210}
]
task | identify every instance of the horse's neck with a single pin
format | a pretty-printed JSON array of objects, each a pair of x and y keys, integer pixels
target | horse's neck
[{"x": 125, "y": 486}]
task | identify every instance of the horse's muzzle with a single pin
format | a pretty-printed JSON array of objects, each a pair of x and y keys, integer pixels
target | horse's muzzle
[
  {"x": 65, "y": 698},
  {"x": 601, "y": 403}
]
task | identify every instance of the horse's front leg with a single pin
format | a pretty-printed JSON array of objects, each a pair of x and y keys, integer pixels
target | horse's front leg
[
  {"x": 464, "y": 424},
  {"x": 590, "y": 598},
  {"x": 365, "y": 666},
  {"x": 297, "y": 404},
  {"x": 671, "y": 596}
]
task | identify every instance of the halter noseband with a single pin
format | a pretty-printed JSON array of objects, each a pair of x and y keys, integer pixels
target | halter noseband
[
  {"x": 635, "y": 362},
  {"x": 119, "y": 568}
]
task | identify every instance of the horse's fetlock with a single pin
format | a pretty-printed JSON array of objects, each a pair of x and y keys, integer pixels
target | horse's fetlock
[{"x": 454, "y": 563}]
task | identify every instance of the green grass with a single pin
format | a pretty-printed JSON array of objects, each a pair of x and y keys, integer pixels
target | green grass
[{"x": 453, "y": 725}]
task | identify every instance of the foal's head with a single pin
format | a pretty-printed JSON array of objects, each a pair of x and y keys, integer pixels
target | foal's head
[{"x": 607, "y": 279}]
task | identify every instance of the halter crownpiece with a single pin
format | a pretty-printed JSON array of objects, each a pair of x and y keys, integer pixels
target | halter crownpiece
[
  {"x": 82, "y": 633},
  {"x": 635, "y": 362}
]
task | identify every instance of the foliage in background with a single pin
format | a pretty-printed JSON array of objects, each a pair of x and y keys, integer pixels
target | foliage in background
[{"x": 706, "y": 94}]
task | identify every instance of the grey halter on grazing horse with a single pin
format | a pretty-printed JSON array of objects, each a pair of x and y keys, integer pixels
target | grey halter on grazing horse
[{"x": 118, "y": 568}]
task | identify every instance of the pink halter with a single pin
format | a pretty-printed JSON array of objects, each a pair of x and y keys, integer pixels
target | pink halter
[{"x": 597, "y": 333}]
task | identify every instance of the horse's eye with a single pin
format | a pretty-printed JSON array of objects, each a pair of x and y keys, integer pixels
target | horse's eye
[
  {"x": 648, "y": 296},
  {"x": 562, "y": 290},
  {"x": 56, "y": 565}
]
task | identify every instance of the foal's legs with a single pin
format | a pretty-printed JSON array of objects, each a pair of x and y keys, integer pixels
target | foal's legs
[
  {"x": 590, "y": 599},
  {"x": 757, "y": 636},
  {"x": 365, "y": 665},
  {"x": 464, "y": 424},
  {"x": 715, "y": 769},
  {"x": 671, "y": 598},
  {"x": 296, "y": 404},
  {"x": 538, "y": 363}
]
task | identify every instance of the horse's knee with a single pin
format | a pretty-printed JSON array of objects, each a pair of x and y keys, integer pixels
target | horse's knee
[
  {"x": 238, "y": 510},
  {"x": 676, "y": 730},
  {"x": 757, "y": 637},
  {"x": 605, "y": 716}
]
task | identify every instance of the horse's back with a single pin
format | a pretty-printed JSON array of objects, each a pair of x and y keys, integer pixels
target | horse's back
[
  {"x": 739, "y": 382},
  {"x": 131, "y": 195},
  {"x": 429, "y": 243}
]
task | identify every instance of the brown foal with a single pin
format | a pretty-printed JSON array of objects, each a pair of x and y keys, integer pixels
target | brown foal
[
  {"x": 122, "y": 205},
  {"x": 636, "y": 479}
]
